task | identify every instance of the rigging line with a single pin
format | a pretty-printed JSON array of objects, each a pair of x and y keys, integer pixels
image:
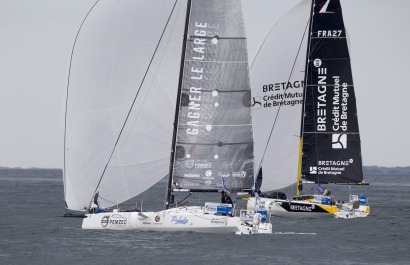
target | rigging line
[
  {"x": 155, "y": 77},
  {"x": 66, "y": 100},
  {"x": 284, "y": 92},
  {"x": 135, "y": 98}
]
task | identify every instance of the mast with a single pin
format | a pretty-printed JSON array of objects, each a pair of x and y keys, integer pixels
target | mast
[
  {"x": 178, "y": 103},
  {"x": 298, "y": 182}
]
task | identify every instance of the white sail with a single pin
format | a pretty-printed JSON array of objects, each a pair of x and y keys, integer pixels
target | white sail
[
  {"x": 112, "y": 142},
  {"x": 277, "y": 76}
]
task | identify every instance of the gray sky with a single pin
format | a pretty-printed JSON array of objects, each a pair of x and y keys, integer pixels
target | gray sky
[{"x": 35, "y": 49}]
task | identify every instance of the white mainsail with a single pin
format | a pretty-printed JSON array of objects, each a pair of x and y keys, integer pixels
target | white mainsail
[
  {"x": 277, "y": 91},
  {"x": 104, "y": 149}
]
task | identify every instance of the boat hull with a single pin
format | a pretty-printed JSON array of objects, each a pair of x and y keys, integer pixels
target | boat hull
[
  {"x": 307, "y": 209},
  {"x": 294, "y": 208},
  {"x": 347, "y": 211},
  {"x": 189, "y": 219}
]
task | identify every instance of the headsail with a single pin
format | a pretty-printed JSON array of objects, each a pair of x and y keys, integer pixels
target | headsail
[
  {"x": 120, "y": 100},
  {"x": 331, "y": 141},
  {"x": 214, "y": 129},
  {"x": 277, "y": 76}
]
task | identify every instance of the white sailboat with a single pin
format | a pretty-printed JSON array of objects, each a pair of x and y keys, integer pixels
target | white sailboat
[
  {"x": 304, "y": 114},
  {"x": 138, "y": 109}
]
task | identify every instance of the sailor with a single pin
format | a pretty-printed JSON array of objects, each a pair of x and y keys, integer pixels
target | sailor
[
  {"x": 257, "y": 219},
  {"x": 95, "y": 206},
  {"x": 96, "y": 199},
  {"x": 226, "y": 198}
]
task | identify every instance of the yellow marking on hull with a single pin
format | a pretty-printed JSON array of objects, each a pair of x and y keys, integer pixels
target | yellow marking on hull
[{"x": 329, "y": 208}]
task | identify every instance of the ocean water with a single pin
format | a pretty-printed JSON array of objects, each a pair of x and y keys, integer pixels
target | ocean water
[{"x": 32, "y": 231}]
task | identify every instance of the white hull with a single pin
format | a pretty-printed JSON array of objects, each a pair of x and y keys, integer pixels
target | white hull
[
  {"x": 306, "y": 209},
  {"x": 190, "y": 219},
  {"x": 348, "y": 212}
]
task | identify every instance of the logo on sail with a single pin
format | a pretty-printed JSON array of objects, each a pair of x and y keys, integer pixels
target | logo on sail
[
  {"x": 190, "y": 175},
  {"x": 189, "y": 163},
  {"x": 313, "y": 170},
  {"x": 208, "y": 175},
  {"x": 224, "y": 174},
  {"x": 324, "y": 8},
  {"x": 203, "y": 164},
  {"x": 198, "y": 164},
  {"x": 339, "y": 141},
  {"x": 241, "y": 174},
  {"x": 257, "y": 103}
]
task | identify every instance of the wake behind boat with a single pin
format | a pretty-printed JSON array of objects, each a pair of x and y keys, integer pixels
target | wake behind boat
[
  {"x": 139, "y": 109},
  {"x": 303, "y": 84}
]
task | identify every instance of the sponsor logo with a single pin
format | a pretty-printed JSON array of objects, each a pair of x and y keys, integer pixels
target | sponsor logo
[
  {"x": 300, "y": 208},
  {"x": 115, "y": 220},
  {"x": 215, "y": 221},
  {"x": 224, "y": 174},
  {"x": 208, "y": 183},
  {"x": 208, "y": 175},
  {"x": 190, "y": 184},
  {"x": 190, "y": 175},
  {"x": 203, "y": 164},
  {"x": 105, "y": 220},
  {"x": 198, "y": 164},
  {"x": 157, "y": 218},
  {"x": 323, "y": 10},
  {"x": 193, "y": 97},
  {"x": 210, "y": 208},
  {"x": 313, "y": 170},
  {"x": 256, "y": 102},
  {"x": 335, "y": 163},
  {"x": 282, "y": 86},
  {"x": 179, "y": 220},
  {"x": 330, "y": 167},
  {"x": 189, "y": 163},
  {"x": 321, "y": 97},
  {"x": 317, "y": 63},
  {"x": 339, "y": 141},
  {"x": 241, "y": 174}
]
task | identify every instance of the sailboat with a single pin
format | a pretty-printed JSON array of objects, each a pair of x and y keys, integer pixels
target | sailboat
[
  {"x": 304, "y": 115},
  {"x": 160, "y": 88}
]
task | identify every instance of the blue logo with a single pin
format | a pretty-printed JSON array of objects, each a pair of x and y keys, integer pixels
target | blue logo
[
  {"x": 362, "y": 200},
  {"x": 179, "y": 220}
]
